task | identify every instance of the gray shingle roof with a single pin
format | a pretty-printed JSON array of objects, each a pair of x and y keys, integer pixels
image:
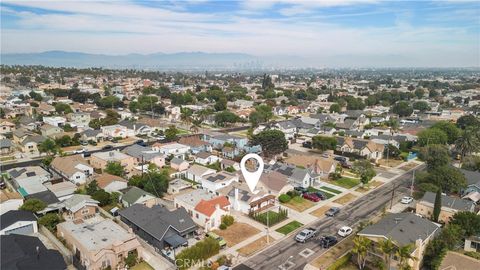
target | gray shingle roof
[
  {"x": 473, "y": 178},
  {"x": 402, "y": 228},
  {"x": 157, "y": 220},
  {"x": 133, "y": 194},
  {"x": 13, "y": 216},
  {"x": 5, "y": 143},
  {"x": 454, "y": 203}
]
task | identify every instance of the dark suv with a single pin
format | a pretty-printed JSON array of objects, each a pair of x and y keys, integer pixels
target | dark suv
[
  {"x": 328, "y": 241},
  {"x": 332, "y": 211}
]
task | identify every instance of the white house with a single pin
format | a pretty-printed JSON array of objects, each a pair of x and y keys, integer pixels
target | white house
[
  {"x": 117, "y": 131},
  {"x": 176, "y": 149},
  {"x": 206, "y": 158},
  {"x": 216, "y": 181},
  {"x": 74, "y": 168},
  {"x": 197, "y": 172},
  {"x": 55, "y": 121}
]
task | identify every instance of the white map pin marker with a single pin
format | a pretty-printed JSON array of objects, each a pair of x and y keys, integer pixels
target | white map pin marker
[{"x": 252, "y": 177}]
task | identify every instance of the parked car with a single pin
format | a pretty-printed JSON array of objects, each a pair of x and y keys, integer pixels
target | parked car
[
  {"x": 332, "y": 211},
  {"x": 346, "y": 164},
  {"x": 345, "y": 231},
  {"x": 311, "y": 197},
  {"x": 3, "y": 185},
  {"x": 217, "y": 237},
  {"x": 305, "y": 235},
  {"x": 87, "y": 154},
  {"x": 83, "y": 143},
  {"x": 141, "y": 143},
  {"x": 107, "y": 147},
  {"x": 307, "y": 144},
  {"x": 300, "y": 189},
  {"x": 321, "y": 195},
  {"x": 328, "y": 241},
  {"x": 406, "y": 200},
  {"x": 340, "y": 159}
]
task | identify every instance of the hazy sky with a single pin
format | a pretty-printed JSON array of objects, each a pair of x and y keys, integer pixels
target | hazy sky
[{"x": 388, "y": 33}]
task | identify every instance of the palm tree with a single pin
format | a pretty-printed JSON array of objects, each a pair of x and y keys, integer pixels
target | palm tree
[
  {"x": 186, "y": 115},
  {"x": 468, "y": 142},
  {"x": 404, "y": 253},
  {"x": 388, "y": 249},
  {"x": 361, "y": 245}
]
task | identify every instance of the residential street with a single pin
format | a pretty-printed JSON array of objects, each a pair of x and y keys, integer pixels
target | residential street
[{"x": 277, "y": 256}]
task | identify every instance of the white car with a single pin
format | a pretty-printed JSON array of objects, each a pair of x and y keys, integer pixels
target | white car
[
  {"x": 406, "y": 200},
  {"x": 79, "y": 151},
  {"x": 345, "y": 231}
]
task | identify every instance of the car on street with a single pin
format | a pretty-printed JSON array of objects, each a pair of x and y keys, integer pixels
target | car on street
[
  {"x": 79, "y": 151},
  {"x": 217, "y": 237},
  {"x": 311, "y": 197},
  {"x": 345, "y": 231},
  {"x": 141, "y": 143},
  {"x": 332, "y": 211},
  {"x": 406, "y": 200},
  {"x": 107, "y": 147},
  {"x": 300, "y": 189},
  {"x": 305, "y": 235},
  {"x": 328, "y": 241}
]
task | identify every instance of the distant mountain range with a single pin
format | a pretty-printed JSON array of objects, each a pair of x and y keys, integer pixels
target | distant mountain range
[{"x": 182, "y": 60}]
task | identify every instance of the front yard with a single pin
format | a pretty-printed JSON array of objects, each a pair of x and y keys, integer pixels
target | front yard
[
  {"x": 320, "y": 212},
  {"x": 346, "y": 182},
  {"x": 237, "y": 233},
  {"x": 142, "y": 266},
  {"x": 255, "y": 246},
  {"x": 299, "y": 204},
  {"x": 345, "y": 199},
  {"x": 369, "y": 186},
  {"x": 334, "y": 253},
  {"x": 290, "y": 227}
]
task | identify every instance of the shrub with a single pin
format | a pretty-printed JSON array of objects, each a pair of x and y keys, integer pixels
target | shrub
[
  {"x": 340, "y": 263},
  {"x": 473, "y": 254},
  {"x": 228, "y": 220},
  {"x": 33, "y": 205},
  {"x": 284, "y": 198},
  {"x": 223, "y": 226},
  {"x": 202, "y": 250},
  {"x": 335, "y": 175},
  {"x": 271, "y": 218},
  {"x": 293, "y": 193},
  {"x": 131, "y": 259}
]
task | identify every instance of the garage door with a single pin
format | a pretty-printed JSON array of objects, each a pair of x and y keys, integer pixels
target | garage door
[{"x": 26, "y": 230}]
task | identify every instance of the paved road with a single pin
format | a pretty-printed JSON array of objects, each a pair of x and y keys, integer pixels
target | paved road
[{"x": 363, "y": 208}]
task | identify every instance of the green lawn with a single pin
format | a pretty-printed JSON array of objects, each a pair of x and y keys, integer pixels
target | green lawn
[
  {"x": 347, "y": 182},
  {"x": 290, "y": 227},
  {"x": 329, "y": 189},
  {"x": 142, "y": 266}
]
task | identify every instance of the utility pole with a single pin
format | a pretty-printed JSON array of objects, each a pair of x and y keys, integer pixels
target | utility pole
[
  {"x": 142, "y": 166},
  {"x": 393, "y": 195},
  {"x": 413, "y": 182}
]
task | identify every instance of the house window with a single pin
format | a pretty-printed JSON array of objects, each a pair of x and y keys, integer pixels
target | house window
[
  {"x": 85, "y": 211},
  {"x": 196, "y": 215}
]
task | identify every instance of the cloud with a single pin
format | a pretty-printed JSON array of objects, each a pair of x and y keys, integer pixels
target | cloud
[{"x": 127, "y": 27}]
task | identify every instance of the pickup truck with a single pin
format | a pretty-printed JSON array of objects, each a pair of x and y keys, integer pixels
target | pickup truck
[{"x": 305, "y": 235}]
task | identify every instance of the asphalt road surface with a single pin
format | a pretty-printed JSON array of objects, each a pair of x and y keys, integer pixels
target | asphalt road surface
[{"x": 285, "y": 254}]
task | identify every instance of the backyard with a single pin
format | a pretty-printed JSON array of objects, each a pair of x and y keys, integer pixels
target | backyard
[
  {"x": 290, "y": 227},
  {"x": 142, "y": 266},
  {"x": 236, "y": 233}
]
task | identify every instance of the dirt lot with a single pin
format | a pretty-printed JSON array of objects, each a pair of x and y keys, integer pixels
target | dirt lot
[
  {"x": 345, "y": 199},
  {"x": 391, "y": 162},
  {"x": 255, "y": 246},
  {"x": 236, "y": 233},
  {"x": 333, "y": 254},
  {"x": 371, "y": 185},
  {"x": 320, "y": 212}
]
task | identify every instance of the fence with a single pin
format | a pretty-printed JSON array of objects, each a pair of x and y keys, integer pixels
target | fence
[{"x": 66, "y": 253}]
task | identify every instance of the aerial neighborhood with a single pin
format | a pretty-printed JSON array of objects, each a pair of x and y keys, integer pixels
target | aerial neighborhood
[{"x": 123, "y": 169}]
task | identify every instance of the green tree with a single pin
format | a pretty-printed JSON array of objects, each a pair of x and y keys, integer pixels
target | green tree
[
  {"x": 404, "y": 253},
  {"x": 448, "y": 178},
  {"x": 387, "y": 247},
  {"x": 324, "y": 142},
  {"x": 35, "y": 96},
  {"x": 391, "y": 151},
  {"x": 221, "y": 104},
  {"x": 109, "y": 102},
  {"x": 421, "y": 106},
  {"x": 437, "y": 206},
  {"x": 467, "y": 142},
  {"x": 225, "y": 118},
  {"x": 471, "y": 163},
  {"x": 402, "y": 108},
  {"x": 335, "y": 107},
  {"x": 450, "y": 129},
  {"x": 102, "y": 197},
  {"x": 419, "y": 92},
  {"x": 92, "y": 187},
  {"x": 435, "y": 156},
  {"x": 132, "y": 259},
  {"x": 468, "y": 121},
  {"x": 33, "y": 205},
  {"x": 64, "y": 141},
  {"x": 63, "y": 108},
  {"x": 361, "y": 245},
  {"x": 468, "y": 221},
  {"x": 48, "y": 146},
  {"x": 114, "y": 168},
  {"x": 50, "y": 221},
  {"x": 171, "y": 133},
  {"x": 364, "y": 169},
  {"x": 432, "y": 136},
  {"x": 273, "y": 142}
]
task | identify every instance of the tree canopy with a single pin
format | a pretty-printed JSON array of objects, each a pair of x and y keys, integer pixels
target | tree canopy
[{"x": 273, "y": 142}]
